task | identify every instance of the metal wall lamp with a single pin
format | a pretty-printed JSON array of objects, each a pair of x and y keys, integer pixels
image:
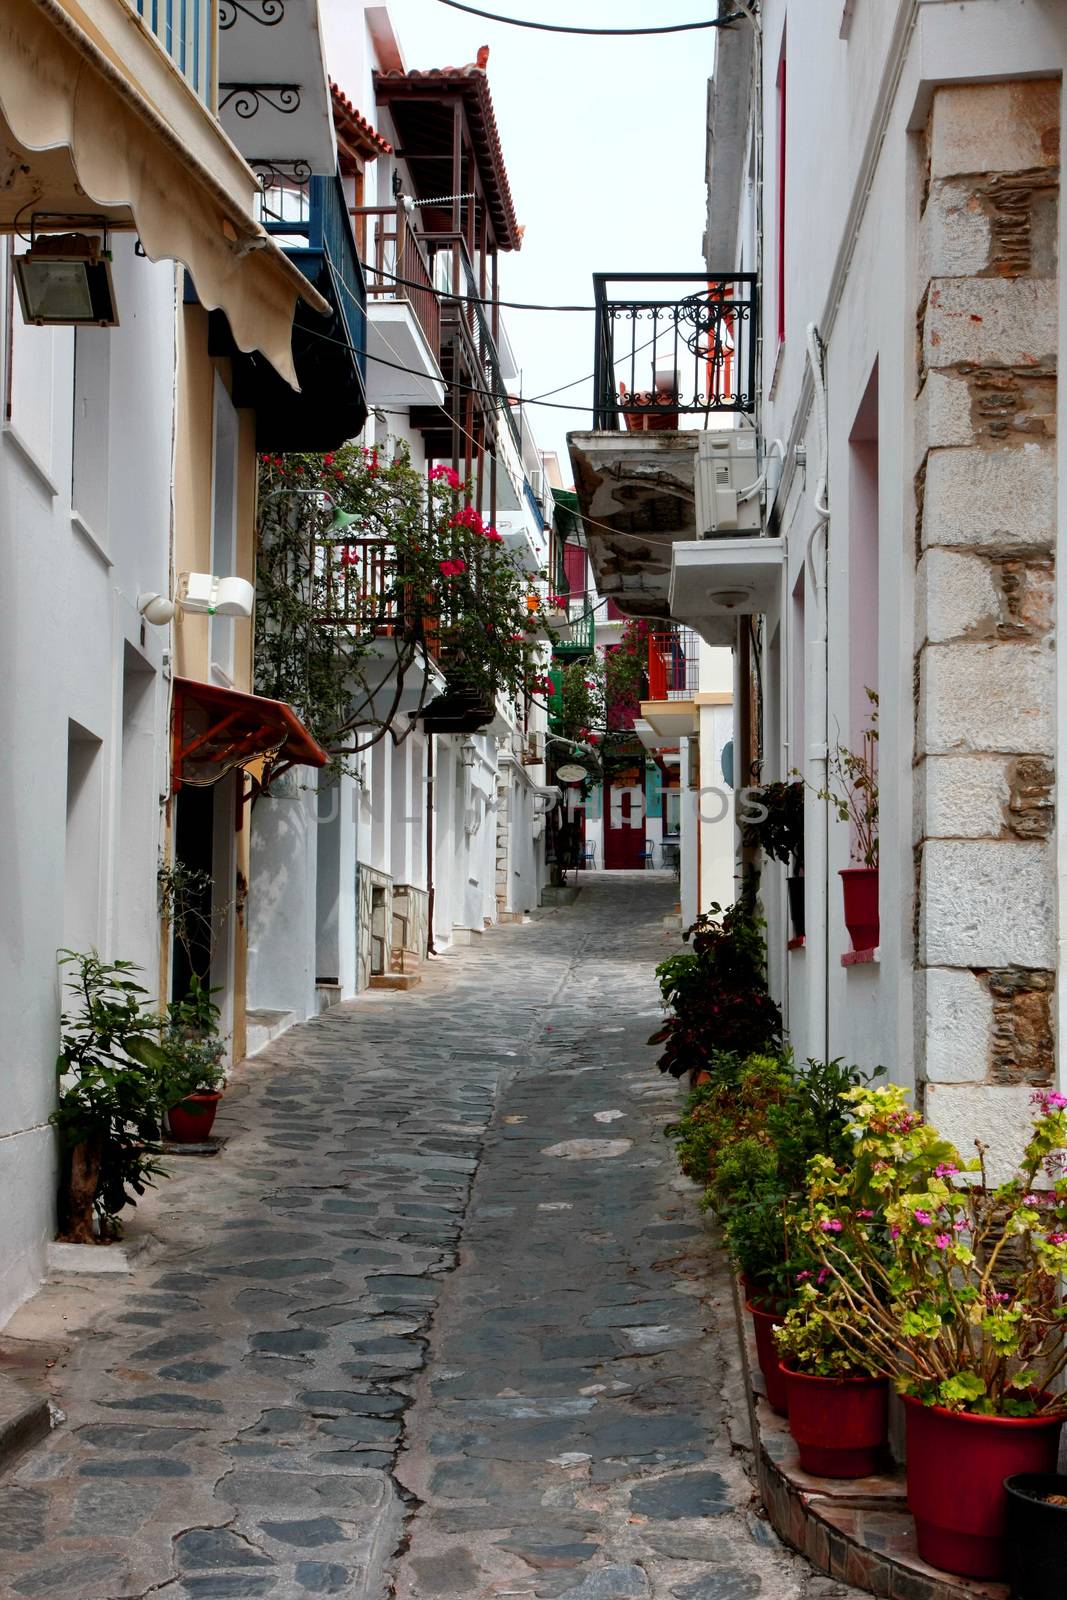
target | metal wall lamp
[{"x": 64, "y": 280}]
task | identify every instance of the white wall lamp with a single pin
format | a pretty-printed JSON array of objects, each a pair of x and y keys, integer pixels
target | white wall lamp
[
  {"x": 468, "y": 752},
  {"x": 200, "y": 592},
  {"x": 64, "y": 279}
]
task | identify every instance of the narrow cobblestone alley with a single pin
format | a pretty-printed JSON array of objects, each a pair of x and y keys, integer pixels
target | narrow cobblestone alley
[{"x": 441, "y": 1319}]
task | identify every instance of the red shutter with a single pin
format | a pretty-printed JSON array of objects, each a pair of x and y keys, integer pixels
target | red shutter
[{"x": 574, "y": 568}]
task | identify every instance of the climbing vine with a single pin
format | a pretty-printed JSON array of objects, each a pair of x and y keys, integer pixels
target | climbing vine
[{"x": 363, "y": 564}]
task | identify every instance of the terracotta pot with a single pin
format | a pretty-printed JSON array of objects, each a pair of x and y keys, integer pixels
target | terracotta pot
[
  {"x": 861, "y": 906},
  {"x": 764, "y": 1321},
  {"x": 840, "y": 1424},
  {"x": 1036, "y": 1536},
  {"x": 957, "y": 1464},
  {"x": 191, "y": 1121}
]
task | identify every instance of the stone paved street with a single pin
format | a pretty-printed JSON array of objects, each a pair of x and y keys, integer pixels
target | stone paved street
[{"x": 441, "y": 1319}]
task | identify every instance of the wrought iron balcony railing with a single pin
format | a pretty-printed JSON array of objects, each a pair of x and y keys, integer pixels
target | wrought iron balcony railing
[
  {"x": 670, "y": 345},
  {"x": 187, "y": 30},
  {"x": 673, "y": 665}
]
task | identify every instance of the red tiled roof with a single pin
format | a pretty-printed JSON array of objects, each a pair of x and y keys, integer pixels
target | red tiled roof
[
  {"x": 353, "y": 126},
  {"x": 472, "y": 84}
]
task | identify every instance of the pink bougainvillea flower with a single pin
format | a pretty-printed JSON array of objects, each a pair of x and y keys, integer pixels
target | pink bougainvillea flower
[
  {"x": 831, "y": 1225},
  {"x": 923, "y": 1218},
  {"x": 824, "y": 1273},
  {"x": 945, "y": 1169},
  {"x": 894, "y": 1233},
  {"x": 942, "y": 1240},
  {"x": 802, "y": 1277},
  {"x": 1056, "y": 1238},
  {"x": 864, "y": 1212}
]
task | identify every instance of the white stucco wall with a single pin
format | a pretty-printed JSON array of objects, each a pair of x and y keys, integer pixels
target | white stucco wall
[{"x": 70, "y": 631}]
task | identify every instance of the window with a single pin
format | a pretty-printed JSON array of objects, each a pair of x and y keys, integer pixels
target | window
[
  {"x": 81, "y": 877},
  {"x": 780, "y": 84},
  {"x": 672, "y": 812}
]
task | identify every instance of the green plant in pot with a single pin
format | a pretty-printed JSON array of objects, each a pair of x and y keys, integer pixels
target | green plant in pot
[
  {"x": 773, "y": 821},
  {"x": 193, "y": 1051},
  {"x": 838, "y": 1400},
  {"x": 111, "y": 1096},
  {"x": 956, "y": 1297},
  {"x": 852, "y": 789},
  {"x": 717, "y": 992}
]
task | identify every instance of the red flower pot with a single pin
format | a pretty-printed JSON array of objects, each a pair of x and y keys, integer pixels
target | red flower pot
[
  {"x": 840, "y": 1424},
  {"x": 957, "y": 1464},
  {"x": 861, "y": 906},
  {"x": 192, "y": 1120},
  {"x": 764, "y": 1322}
]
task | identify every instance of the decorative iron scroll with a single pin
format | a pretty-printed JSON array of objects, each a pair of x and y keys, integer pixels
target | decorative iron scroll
[
  {"x": 277, "y": 173},
  {"x": 248, "y": 98},
  {"x": 268, "y": 13}
]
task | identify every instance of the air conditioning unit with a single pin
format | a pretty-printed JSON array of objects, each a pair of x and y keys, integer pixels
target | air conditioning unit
[{"x": 726, "y": 466}]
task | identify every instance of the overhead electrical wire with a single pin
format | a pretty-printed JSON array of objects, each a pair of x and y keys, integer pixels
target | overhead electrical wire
[
  {"x": 472, "y": 299},
  {"x": 596, "y": 33}
]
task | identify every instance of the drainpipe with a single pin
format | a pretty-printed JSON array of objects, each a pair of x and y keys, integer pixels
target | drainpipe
[
  {"x": 431, "y": 949},
  {"x": 817, "y": 853}
]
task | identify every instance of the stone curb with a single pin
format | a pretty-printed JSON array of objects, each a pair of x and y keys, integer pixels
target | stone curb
[
  {"x": 842, "y": 1528},
  {"x": 24, "y": 1418}
]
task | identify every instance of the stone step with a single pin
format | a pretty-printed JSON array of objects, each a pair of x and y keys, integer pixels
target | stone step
[
  {"x": 263, "y": 1026},
  {"x": 395, "y": 980},
  {"x": 24, "y": 1418}
]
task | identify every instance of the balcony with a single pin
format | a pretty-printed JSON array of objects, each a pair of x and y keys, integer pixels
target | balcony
[
  {"x": 667, "y": 467},
  {"x": 670, "y": 711},
  {"x": 188, "y": 33},
  {"x": 697, "y": 352},
  {"x": 575, "y": 636},
  {"x": 404, "y": 314},
  {"x": 310, "y": 221},
  {"x": 274, "y": 97}
]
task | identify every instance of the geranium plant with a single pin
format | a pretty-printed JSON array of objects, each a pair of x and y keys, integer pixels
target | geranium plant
[
  {"x": 942, "y": 1281},
  {"x": 411, "y": 566},
  {"x": 777, "y": 827}
]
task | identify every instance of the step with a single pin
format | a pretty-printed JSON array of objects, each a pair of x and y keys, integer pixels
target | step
[
  {"x": 263, "y": 1026},
  {"x": 24, "y": 1418},
  {"x": 395, "y": 980}
]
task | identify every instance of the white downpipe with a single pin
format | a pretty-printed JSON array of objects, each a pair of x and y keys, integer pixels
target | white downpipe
[{"x": 817, "y": 848}]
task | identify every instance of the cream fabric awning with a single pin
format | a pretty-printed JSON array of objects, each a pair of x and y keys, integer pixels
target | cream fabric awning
[{"x": 82, "y": 138}]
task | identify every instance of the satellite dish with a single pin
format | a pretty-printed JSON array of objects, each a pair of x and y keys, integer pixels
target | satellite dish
[{"x": 572, "y": 773}]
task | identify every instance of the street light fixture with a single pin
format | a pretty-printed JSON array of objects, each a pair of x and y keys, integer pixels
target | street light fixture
[{"x": 64, "y": 280}]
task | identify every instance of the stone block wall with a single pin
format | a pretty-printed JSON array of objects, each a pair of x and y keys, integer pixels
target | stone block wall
[{"x": 985, "y": 553}]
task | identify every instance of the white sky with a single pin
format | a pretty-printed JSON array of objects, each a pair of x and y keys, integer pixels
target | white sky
[{"x": 604, "y": 145}]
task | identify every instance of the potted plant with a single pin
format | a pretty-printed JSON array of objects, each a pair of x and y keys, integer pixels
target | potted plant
[
  {"x": 109, "y": 1112},
  {"x": 193, "y": 1052},
  {"x": 777, "y": 829},
  {"x": 838, "y": 1402},
  {"x": 852, "y": 788},
  {"x": 950, "y": 1286},
  {"x": 717, "y": 992},
  {"x": 1036, "y": 1534}
]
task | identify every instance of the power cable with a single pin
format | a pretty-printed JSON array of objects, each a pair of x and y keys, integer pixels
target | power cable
[
  {"x": 596, "y": 33},
  {"x": 470, "y": 299}
]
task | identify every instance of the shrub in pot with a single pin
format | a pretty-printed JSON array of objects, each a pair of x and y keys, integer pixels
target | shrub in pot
[
  {"x": 950, "y": 1286},
  {"x": 717, "y": 993},
  {"x": 838, "y": 1402},
  {"x": 773, "y": 821},
  {"x": 193, "y": 1052},
  {"x": 111, "y": 1097}
]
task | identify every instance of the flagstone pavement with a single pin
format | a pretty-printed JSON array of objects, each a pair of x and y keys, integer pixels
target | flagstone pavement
[{"x": 440, "y": 1320}]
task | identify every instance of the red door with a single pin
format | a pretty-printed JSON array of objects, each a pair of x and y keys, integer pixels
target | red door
[{"x": 624, "y": 822}]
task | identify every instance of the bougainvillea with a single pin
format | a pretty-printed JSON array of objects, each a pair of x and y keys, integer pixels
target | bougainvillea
[{"x": 346, "y": 612}]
